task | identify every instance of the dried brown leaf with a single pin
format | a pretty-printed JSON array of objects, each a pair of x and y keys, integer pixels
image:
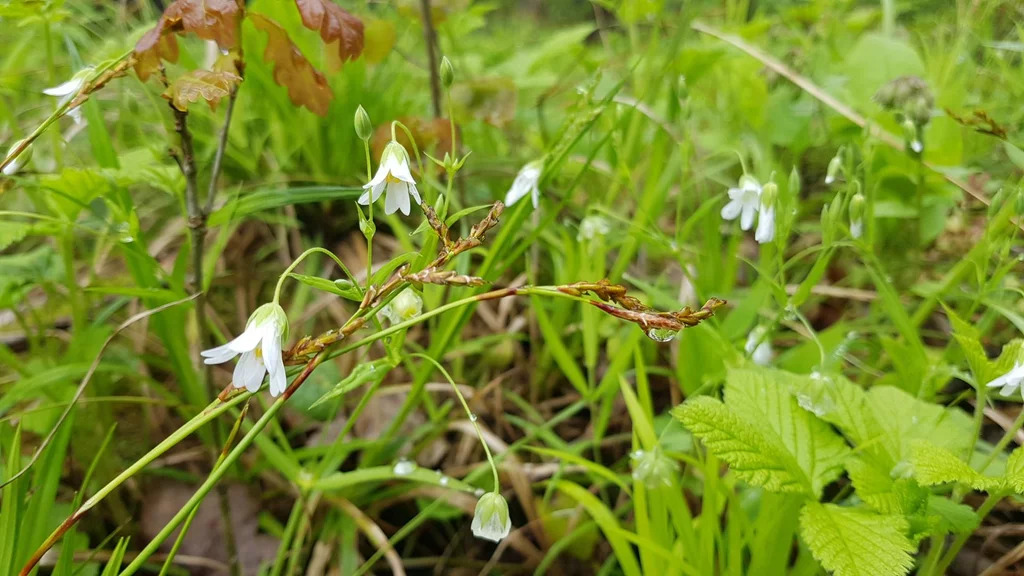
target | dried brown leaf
[
  {"x": 215, "y": 20},
  {"x": 306, "y": 85},
  {"x": 201, "y": 84},
  {"x": 156, "y": 45},
  {"x": 333, "y": 24}
]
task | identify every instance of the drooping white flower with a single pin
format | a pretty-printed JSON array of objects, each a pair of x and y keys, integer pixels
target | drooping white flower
[
  {"x": 260, "y": 346},
  {"x": 526, "y": 183},
  {"x": 392, "y": 175},
  {"x": 593, "y": 226},
  {"x": 1009, "y": 382},
  {"x": 490, "y": 519},
  {"x": 406, "y": 306},
  {"x": 766, "y": 214},
  {"x": 744, "y": 202},
  {"x": 68, "y": 90},
  {"x": 16, "y": 163},
  {"x": 857, "y": 228},
  {"x": 759, "y": 346}
]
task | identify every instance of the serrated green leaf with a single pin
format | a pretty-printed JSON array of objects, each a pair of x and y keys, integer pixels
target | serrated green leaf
[
  {"x": 11, "y": 232},
  {"x": 906, "y": 419},
  {"x": 934, "y": 465},
  {"x": 951, "y": 516},
  {"x": 755, "y": 457},
  {"x": 885, "y": 494},
  {"x": 852, "y": 542},
  {"x": 1013, "y": 477},
  {"x": 764, "y": 397}
]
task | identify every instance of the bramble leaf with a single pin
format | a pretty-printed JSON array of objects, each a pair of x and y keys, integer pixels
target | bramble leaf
[
  {"x": 306, "y": 85},
  {"x": 215, "y": 20},
  {"x": 885, "y": 494},
  {"x": 334, "y": 24},
  {"x": 753, "y": 457},
  {"x": 764, "y": 397},
  {"x": 200, "y": 84},
  {"x": 934, "y": 465},
  {"x": 852, "y": 542}
]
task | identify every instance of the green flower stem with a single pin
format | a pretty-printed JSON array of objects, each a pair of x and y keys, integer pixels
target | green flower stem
[
  {"x": 284, "y": 275},
  {"x": 415, "y": 149},
  {"x": 216, "y": 408},
  {"x": 469, "y": 414}
]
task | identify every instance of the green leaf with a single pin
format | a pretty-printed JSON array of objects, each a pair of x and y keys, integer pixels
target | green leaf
[
  {"x": 905, "y": 419},
  {"x": 116, "y": 558},
  {"x": 343, "y": 288},
  {"x": 951, "y": 516},
  {"x": 934, "y": 465},
  {"x": 852, "y": 542},
  {"x": 885, "y": 494},
  {"x": 266, "y": 199},
  {"x": 755, "y": 457},
  {"x": 1013, "y": 477},
  {"x": 11, "y": 232},
  {"x": 876, "y": 59},
  {"x": 969, "y": 340},
  {"x": 764, "y": 397},
  {"x": 363, "y": 373}
]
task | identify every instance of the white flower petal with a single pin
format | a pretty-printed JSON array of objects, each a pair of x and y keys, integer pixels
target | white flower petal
[
  {"x": 747, "y": 216},
  {"x": 515, "y": 194},
  {"x": 249, "y": 372},
  {"x": 731, "y": 210},
  {"x": 271, "y": 346},
  {"x": 218, "y": 355},
  {"x": 1012, "y": 379},
  {"x": 401, "y": 171},
  {"x": 70, "y": 87},
  {"x": 379, "y": 177},
  {"x": 397, "y": 198},
  {"x": 414, "y": 193},
  {"x": 364, "y": 199},
  {"x": 765, "y": 226},
  {"x": 535, "y": 196}
]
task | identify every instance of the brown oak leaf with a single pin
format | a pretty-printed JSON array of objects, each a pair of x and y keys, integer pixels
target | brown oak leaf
[
  {"x": 334, "y": 24},
  {"x": 306, "y": 85},
  {"x": 206, "y": 84},
  {"x": 215, "y": 20}
]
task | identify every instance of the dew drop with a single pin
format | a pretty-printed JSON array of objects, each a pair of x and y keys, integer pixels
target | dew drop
[
  {"x": 660, "y": 334},
  {"x": 443, "y": 480},
  {"x": 472, "y": 417},
  {"x": 404, "y": 467},
  {"x": 478, "y": 492}
]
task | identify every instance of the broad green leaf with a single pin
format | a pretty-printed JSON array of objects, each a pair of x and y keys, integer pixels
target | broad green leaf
[
  {"x": 1013, "y": 477},
  {"x": 885, "y": 494},
  {"x": 934, "y": 465},
  {"x": 876, "y": 59},
  {"x": 755, "y": 457},
  {"x": 853, "y": 542},
  {"x": 11, "y": 232},
  {"x": 764, "y": 397},
  {"x": 906, "y": 419},
  {"x": 951, "y": 516}
]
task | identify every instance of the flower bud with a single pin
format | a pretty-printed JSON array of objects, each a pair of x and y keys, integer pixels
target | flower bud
[
  {"x": 364, "y": 129},
  {"x": 910, "y": 134},
  {"x": 794, "y": 183},
  {"x": 998, "y": 199},
  {"x": 406, "y": 306},
  {"x": 652, "y": 468},
  {"x": 447, "y": 72},
  {"x": 835, "y": 168},
  {"x": 18, "y": 162},
  {"x": 857, "y": 215},
  {"x": 490, "y": 520}
]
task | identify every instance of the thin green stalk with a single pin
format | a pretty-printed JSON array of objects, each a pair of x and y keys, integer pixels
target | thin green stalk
[
  {"x": 216, "y": 408},
  {"x": 1003, "y": 442},
  {"x": 469, "y": 414},
  {"x": 961, "y": 539},
  {"x": 284, "y": 275},
  {"x": 369, "y": 236},
  {"x": 192, "y": 514}
]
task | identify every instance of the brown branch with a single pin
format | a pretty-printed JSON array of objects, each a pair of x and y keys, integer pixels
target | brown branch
[{"x": 430, "y": 38}]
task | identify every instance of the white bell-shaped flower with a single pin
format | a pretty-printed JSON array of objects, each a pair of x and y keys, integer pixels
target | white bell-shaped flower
[
  {"x": 394, "y": 176},
  {"x": 491, "y": 520},
  {"x": 260, "y": 347},
  {"x": 759, "y": 346},
  {"x": 766, "y": 214},
  {"x": 406, "y": 306},
  {"x": 15, "y": 164},
  {"x": 526, "y": 183},
  {"x": 68, "y": 90},
  {"x": 744, "y": 202}
]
